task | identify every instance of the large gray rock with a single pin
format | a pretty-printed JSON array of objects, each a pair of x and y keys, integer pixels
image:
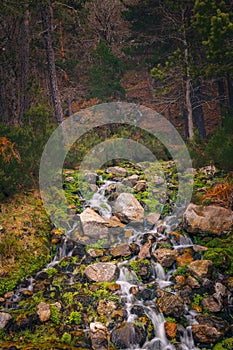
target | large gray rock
[
  {"x": 102, "y": 272},
  {"x": 96, "y": 227},
  {"x": 200, "y": 268},
  {"x": 93, "y": 224},
  {"x": 208, "y": 219},
  {"x": 127, "y": 208},
  {"x": 4, "y": 319}
]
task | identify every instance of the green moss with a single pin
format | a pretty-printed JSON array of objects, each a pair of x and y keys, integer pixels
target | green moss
[
  {"x": 74, "y": 318},
  {"x": 197, "y": 299},
  {"x": 51, "y": 272},
  {"x": 222, "y": 258},
  {"x": 137, "y": 265},
  {"x": 225, "y": 344},
  {"x": 181, "y": 270},
  {"x": 55, "y": 314},
  {"x": 66, "y": 338}
]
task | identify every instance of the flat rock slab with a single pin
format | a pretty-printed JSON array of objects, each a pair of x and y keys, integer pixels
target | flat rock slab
[{"x": 102, "y": 272}]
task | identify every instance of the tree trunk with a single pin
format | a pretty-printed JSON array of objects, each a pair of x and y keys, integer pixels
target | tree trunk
[
  {"x": 188, "y": 97},
  {"x": 3, "y": 109},
  {"x": 230, "y": 93},
  {"x": 221, "y": 96},
  {"x": 54, "y": 90},
  {"x": 24, "y": 64},
  {"x": 186, "y": 127},
  {"x": 198, "y": 114}
]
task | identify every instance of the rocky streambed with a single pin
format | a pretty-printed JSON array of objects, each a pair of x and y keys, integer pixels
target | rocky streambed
[{"x": 122, "y": 278}]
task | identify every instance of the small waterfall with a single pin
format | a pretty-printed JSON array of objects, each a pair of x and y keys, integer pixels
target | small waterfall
[{"x": 100, "y": 202}]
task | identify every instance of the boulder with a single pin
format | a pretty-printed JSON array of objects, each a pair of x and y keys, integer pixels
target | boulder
[
  {"x": 127, "y": 208},
  {"x": 127, "y": 335},
  {"x": 200, "y": 268},
  {"x": 102, "y": 272},
  {"x": 93, "y": 225},
  {"x": 171, "y": 305},
  {"x": 205, "y": 333},
  {"x": 221, "y": 325},
  {"x": 166, "y": 257},
  {"x": 208, "y": 219},
  {"x": 4, "y": 319}
]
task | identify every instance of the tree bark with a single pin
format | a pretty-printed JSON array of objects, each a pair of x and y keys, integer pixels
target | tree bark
[
  {"x": 54, "y": 90},
  {"x": 198, "y": 114},
  {"x": 24, "y": 64},
  {"x": 188, "y": 96},
  {"x": 221, "y": 95},
  {"x": 230, "y": 93}
]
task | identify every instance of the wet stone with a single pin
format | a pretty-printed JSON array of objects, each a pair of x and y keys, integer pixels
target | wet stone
[
  {"x": 192, "y": 282},
  {"x": 90, "y": 178}
]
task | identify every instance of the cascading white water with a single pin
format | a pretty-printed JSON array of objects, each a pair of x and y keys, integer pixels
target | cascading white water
[
  {"x": 100, "y": 202},
  {"x": 128, "y": 279}
]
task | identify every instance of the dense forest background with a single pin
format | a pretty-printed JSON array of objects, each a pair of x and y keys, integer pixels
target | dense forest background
[{"x": 58, "y": 57}]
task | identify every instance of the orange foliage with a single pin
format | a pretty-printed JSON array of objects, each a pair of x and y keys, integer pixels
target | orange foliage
[
  {"x": 8, "y": 151},
  {"x": 222, "y": 193}
]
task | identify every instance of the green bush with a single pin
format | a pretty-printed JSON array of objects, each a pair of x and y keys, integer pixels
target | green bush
[{"x": 28, "y": 140}]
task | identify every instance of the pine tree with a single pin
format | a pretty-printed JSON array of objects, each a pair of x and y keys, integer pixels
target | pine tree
[{"x": 105, "y": 74}]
